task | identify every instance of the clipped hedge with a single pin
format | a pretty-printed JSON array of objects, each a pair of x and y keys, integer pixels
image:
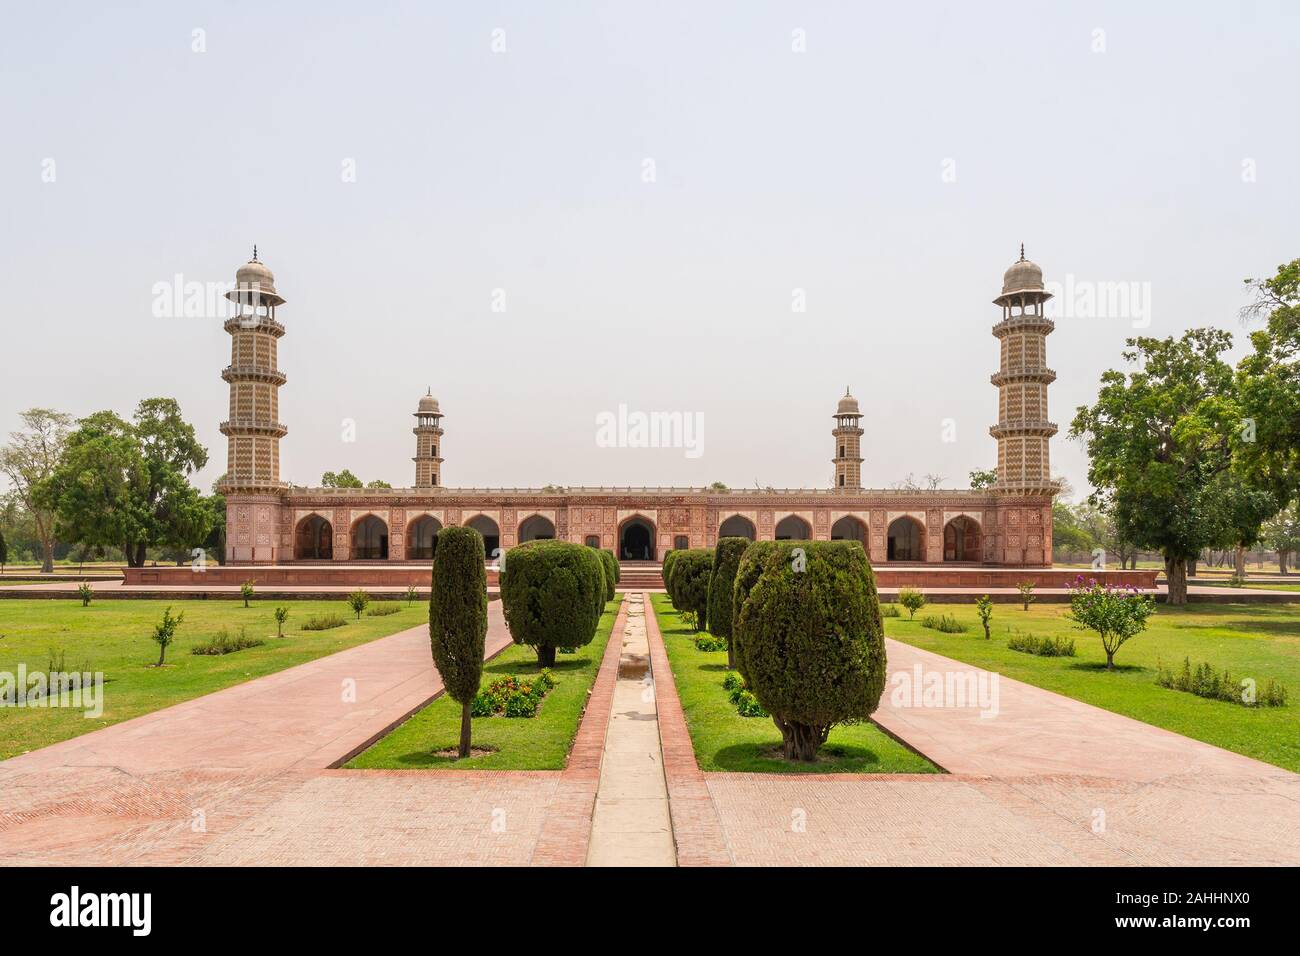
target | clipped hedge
[
  {"x": 611, "y": 572},
  {"x": 670, "y": 558},
  {"x": 722, "y": 582},
  {"x": 613, "y": 560},
  {"x": 808, "y": 637},
  {"x": 690, "y": 584},
  {"x": 458, "y": 618},
  {"x": 598, "y": 576},
  {"x": 549, "y": 594}
]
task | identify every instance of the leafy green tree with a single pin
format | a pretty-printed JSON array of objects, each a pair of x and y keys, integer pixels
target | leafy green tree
[
  {"x": 1116, "y": 614},
  {"x": 1158, "y": 439},
  {"x": 281, "y": 615},
  {"x": 690, "y": 585},
  {"x": 164, "y": 632},
  {"x": 984, "y": 605},
  {"x": 28, "y": 461},
  {"x": 215, "y": 543},
  {"x": 1268, "y": 383},
  {"x": 549, "y": 592},
  {"x": 1282, "y": 534},
  {"x": 1240, "y": 511},
  {"x": 126, "y": 484},
  {"x": 359, "y": 600},
  {"x": 342, "y": 479},
  {"x": 377, "y": 483},
  {"x": 982, "y": 478},
  {"x": 458, "y": 618},
  {"x": 722, "y": 582},
  {"x": 913, "y": 600},
  {"x": 1068, "y": 533}
]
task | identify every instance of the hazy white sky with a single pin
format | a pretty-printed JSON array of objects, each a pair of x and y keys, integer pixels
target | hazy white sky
[{"x": 890, "y": 171}]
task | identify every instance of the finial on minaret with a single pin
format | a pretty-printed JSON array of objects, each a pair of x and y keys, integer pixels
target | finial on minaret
[
  {"x": 255, "y": 252},
  {"x": 1022, "y": 252},
  {"x": 846, "y": 391}
]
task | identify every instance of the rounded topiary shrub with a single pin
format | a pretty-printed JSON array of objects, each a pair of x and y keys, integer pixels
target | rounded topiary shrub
[
  {"x": 549, "y": 591},
  {"x": 611, "y": 572},
  {"x": 669, "y": 558},
  {"x": 690, "y": 587},
  {"x": 618, "y": 571},
  {"x": 722, "y": 582},
  {"x": 458, "y": 618},
  {"x": 597, "y": 572},
  {"x": 808, "y": 637}
]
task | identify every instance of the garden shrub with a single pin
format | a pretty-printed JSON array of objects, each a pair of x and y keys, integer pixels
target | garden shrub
[
  {"x": 1026, "y": 594},
  {"x": 890, "y": 610},
  {"x": 246, "y": 592},
  {"x": 1206, "y": 681},
  {"x": 1042, "y": 646},
  {"x": 85, "y": 592},
  {"x": 281, "y": 615},
  {"x": 383, "y": 610},
  {"x": 611, "y": 572},
  {"x": 691, "y": 573},
  {"x": 984, "y": 606},
  {"x": 596, "y": 569},
  {"x": 513, "y": 696},
  {"x": 722, "y": 583},
  {"x": 1116, "y": 614},
  {"x": 458, "y": 618},
  {"x": 913, "y": 600},
  {"x": 943, "y": 622},
  {"x": 548, "y": 595},
  {"x": 709, "y": 643},
  {"x": 808, "y": 637},
  {"x": 323, "y": 622},
  {"x": 669, "y": 562},
  {"x": 223, "y": 642},
  {"x": 747, "y": 704},
  {"x": 358, "y": 600}
]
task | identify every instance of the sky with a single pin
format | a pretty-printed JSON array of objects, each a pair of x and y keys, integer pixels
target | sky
[{"x": 545, "y": 211}]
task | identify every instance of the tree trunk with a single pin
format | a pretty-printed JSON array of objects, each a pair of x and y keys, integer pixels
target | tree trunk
[
  {"x": 1281, "y": 562},
  {"x": 545, "y": 656},
  {"x": 162, "y": 653},
  {"x": 731, "y": 655},
  {"x": 47, "y": 563},
  {"x": 1110, "y": 660},
  {"x": 1239, "y": 561},
  {"x": 464, "y": 728},
  {"x": 1176, "y": 580},
  {"x": 1191, "y": 568},
  {"x": 800, "y": 741}
]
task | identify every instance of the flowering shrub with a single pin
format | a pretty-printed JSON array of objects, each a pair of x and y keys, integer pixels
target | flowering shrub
[
  {"x": 1115, "y": 613},
  {"x": 513, "y": 696},
  {"x": 707, "y": 642}
]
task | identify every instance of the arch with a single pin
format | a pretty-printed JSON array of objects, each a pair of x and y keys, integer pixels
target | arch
[
  {"x": 490, "y": 531},
  {"x": 536, "y": 528},
  {"x": 422, "y": 538},
  {"x": 793, "y": 528},
  {"x": 636, "y": 539},
  {"x": 849, "y": 528},
  {"x": 313, "y": 539},
  {"x": 906, "y": 540},
  {"x": 738, "y": 526},
  {"x": 962, "y": 539},
  {"x": 370, "y": 539}
]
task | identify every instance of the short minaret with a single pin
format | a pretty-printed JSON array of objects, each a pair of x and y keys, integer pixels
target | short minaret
[
  {"x": 848, "y": 444},
  {"x": 253, "y": 430},
  {"x": 428, "y": 443},
  {"x": 1023, "y": 429}
]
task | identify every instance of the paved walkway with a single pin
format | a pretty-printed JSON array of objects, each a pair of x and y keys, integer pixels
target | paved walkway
[{"x": 631, "y": 826}]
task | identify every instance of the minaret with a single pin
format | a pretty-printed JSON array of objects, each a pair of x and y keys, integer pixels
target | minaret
[
  {"x": 1023, "y": 429},
  {"x": 848, "y": 444},
  {"x": 428, "y": 442},
  {"x": 253, "y": 430}
]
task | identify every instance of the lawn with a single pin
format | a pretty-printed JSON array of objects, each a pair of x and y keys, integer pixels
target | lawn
[
  {"x": 1259, "y": 585},
  {"x": 1250, "y": 640},
  {"x": 517, "y": 743},
  {"x": 724, "y": 740},
  {"x": 114, "y": 637}
]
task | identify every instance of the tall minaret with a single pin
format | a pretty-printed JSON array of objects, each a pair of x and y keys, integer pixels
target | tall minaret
[
  {"x": 428, "y": 442},
  {"x": 1023, "y": 429},
  {"x": 848, "y": 444},
  {"x": 253, "y": 430}
]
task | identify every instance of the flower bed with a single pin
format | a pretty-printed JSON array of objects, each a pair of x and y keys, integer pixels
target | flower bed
[{"x": 513, "y": 696}]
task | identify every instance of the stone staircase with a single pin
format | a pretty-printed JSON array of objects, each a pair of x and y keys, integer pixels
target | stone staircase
[{"x": 638, "y": 575}]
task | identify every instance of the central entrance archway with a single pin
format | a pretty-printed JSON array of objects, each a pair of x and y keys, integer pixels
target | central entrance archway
[{"x": 636, "y": 540}]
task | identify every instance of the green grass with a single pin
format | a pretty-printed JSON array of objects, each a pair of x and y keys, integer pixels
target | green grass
[
  {"x": 533, "y": 743},
  {"x": 1250, "y": 640},
  {"x": 115, "y": 637},
  {"x": 724, "y": 740},
  {"x": 1259, "y": 585}
]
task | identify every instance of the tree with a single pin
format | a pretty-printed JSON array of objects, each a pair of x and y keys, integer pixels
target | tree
[
  {"x": 126, "y": 485},
  {"x": 215, "y": 543},
  {"x": 982, "y": 478},
  {"x": 359, "y": 600},
  {"x": 1240, "y": 511},
  {"x": 984, "y": 605},
  {"x": 809, "y": 639},
  {"x": 4, "y": 552},
  {"x": 611, "y": 572},
  {"x": 458, "y": 618},
  {"x": 1068, "y": 533},
  {"x": 164, "y": 632},
  {"x": 913, "y": 600},
  {"x": 377, "y": 483},
  {"x": 690, "y": 586},
  {"x": 281, "y": 615},
  {"x": 1116, "y": 614},
  {"x": 722, "y": 582},
  {"x": 343, "y": 479},
  {"x": 1282, "y": 534},
  {"x": 1157, "y": 441},
  {"x": 548, "y": 593},
  {"x": 28, "y": 461}
]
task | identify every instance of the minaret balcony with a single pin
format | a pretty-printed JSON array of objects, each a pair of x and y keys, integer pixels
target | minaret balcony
[
  {"x": 1010, "y": 429},
  {"x": 253, "y": 426},
  {"x": 252, "y": 373},
  {"x": 254, "y": 323},
  {"x": 1023, "y": 323},
  {"x": 1027, "y": 373}
]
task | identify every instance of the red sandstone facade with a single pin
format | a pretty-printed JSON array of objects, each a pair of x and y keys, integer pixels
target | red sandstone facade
[{"x": 1007, "y": 525}]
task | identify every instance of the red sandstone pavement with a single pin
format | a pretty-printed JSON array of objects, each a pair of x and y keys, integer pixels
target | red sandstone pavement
[{"x": 236, "y": 778}]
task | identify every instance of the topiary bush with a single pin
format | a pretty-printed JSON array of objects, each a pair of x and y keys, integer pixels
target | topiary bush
[
  {"x": 611, "y": 572},
  {"x": 613, "y": 561},
  {"x": 808, "y": 637},
  {"x": 458, "y": 618},
  {"x": 548, "y": 594},
  {"x": 670, "y": 558},
  {"x": 690, "y": 586},
  {"x": 722, "y": 582},
  {"x": 596, "y": 568}
]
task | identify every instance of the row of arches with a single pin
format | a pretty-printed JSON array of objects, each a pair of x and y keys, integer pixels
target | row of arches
[{"x": 314, "y": 537}]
